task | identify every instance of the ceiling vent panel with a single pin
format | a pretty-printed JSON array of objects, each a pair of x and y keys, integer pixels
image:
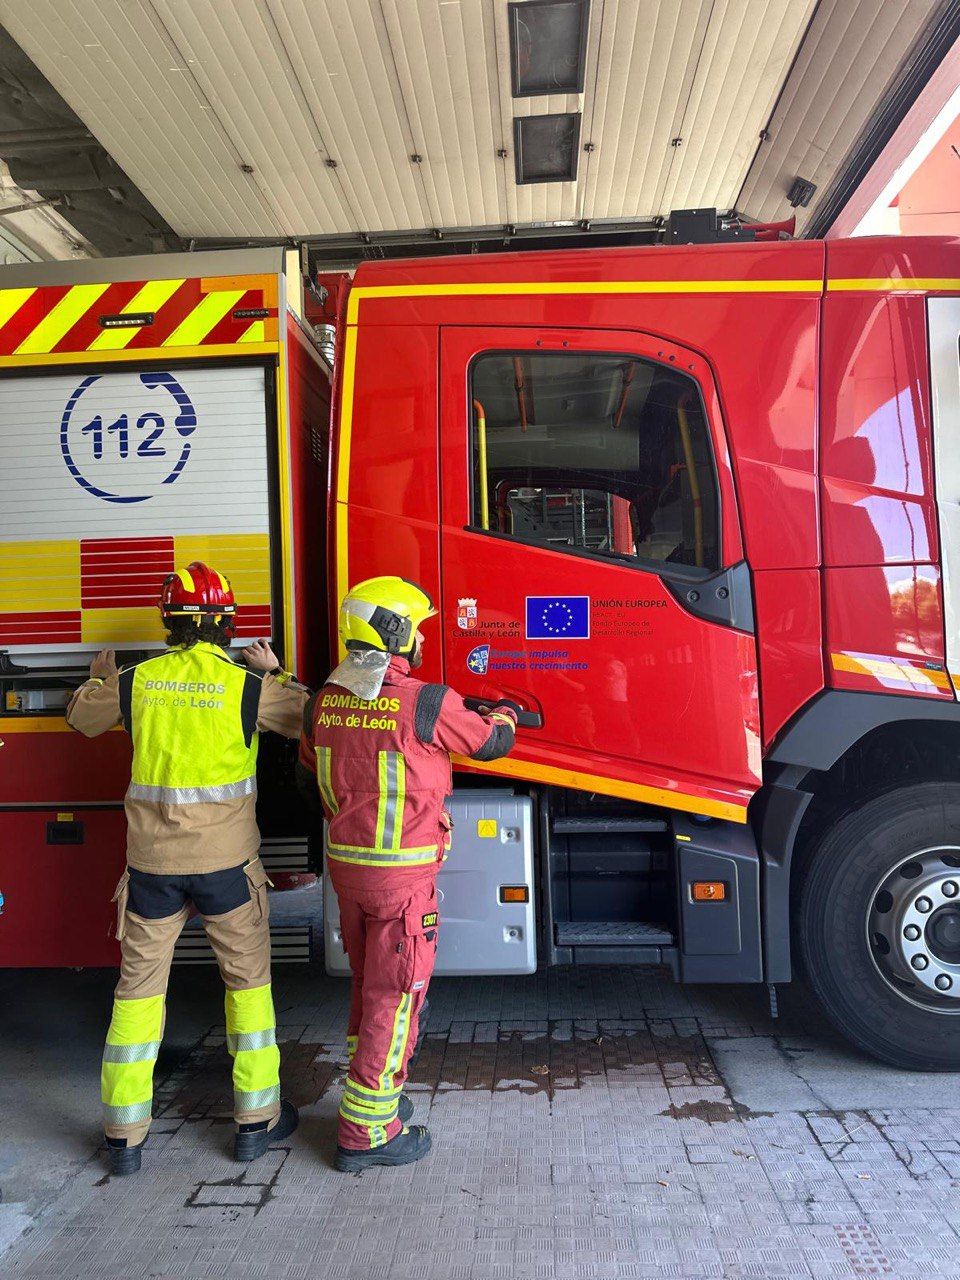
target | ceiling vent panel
[
  {"x": 548, "y": 46},
  {"x": 546, "y": 147}
]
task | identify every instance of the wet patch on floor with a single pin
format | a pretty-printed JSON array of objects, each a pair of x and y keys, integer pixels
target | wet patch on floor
[
  {"x": 202, "y": 1088},
  {"x": 703, "y": 1109},
  {"x": 560, "y": 1058}
]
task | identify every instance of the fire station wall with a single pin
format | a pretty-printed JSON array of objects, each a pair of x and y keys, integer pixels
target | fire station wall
[{"x": 882, "y": 597}]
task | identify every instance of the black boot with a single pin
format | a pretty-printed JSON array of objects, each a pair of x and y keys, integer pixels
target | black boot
[
  {"x": 405, "y": 1108},
  {"x": 252, "y": 1140},
  {"x": 124, "y": 1159},
  {"x": 412, "y": 1144}
]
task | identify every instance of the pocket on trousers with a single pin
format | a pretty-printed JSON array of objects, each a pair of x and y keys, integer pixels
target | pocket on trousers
[
  {"x": 258, "y": 878},
  {"x": 421, "y": 924},
  {"x": 446, "y": 833},
  {"x": 120, "y": 896}
]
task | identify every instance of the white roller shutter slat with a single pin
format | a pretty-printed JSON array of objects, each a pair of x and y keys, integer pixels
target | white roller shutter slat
[
  {"x": 223, "y": 482},
  {"x": 851, "y": 53}
]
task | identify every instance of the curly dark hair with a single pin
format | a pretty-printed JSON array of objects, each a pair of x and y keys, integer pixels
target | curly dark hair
[{"x": 185, "y": 632}]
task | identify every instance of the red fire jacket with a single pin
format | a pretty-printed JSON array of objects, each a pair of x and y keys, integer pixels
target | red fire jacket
[{"x": 383, "y": 770}]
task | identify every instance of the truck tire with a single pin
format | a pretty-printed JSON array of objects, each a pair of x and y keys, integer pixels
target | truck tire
[{"x": 878, "y": 926}]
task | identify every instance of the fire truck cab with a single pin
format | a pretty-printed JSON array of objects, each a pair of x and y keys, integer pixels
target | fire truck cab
[{"x": 695, "y": 509}]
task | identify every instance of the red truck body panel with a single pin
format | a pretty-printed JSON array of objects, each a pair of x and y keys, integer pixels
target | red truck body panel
[
  {"x": 882, "y": 599},
  {"x": 744, "y": 321}
]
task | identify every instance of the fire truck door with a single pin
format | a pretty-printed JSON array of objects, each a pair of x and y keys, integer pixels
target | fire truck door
[{"x": 592, "y": 563}]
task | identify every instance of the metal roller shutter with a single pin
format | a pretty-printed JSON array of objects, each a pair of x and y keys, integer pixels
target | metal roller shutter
[{"x": 112, "y": 479}]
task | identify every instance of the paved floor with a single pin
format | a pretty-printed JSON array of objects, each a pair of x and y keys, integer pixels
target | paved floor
[{"x": 587, "y": 1123}]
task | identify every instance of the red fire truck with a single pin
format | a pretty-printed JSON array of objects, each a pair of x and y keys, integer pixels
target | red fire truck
[{"x": 696, "y": 509}]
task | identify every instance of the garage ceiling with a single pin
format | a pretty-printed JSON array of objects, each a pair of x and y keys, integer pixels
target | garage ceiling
[{"x": 299, "y": 118}]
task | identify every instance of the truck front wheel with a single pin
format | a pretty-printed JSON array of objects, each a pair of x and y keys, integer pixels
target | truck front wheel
[{"x": 878, "y": 926}]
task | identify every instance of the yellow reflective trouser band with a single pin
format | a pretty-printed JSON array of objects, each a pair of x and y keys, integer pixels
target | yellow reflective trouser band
[
  {"x": 368, "y": 1100},
  {"x": 251, "y": 1040},
  {"x": 367, "y": 1119},
  {"x": 375, "y": 1109},
  {"x": 367, "y": 1107},
  {"x": 126, "y": 1077},
  {"x": 324, "y": 779},
  {"x": 367, "y": 857},
  {"x": 398, "y": 1041},
  {"x": 392, "y": 772}
]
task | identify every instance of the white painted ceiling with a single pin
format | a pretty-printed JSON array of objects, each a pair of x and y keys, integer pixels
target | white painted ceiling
[{"x": 226, "y": 113}]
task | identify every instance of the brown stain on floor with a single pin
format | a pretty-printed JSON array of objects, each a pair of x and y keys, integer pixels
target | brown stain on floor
[
  {"x": 526, "y": 1063},
  {"x": 511, "y": 1060},
  {"x": 307, "y": 1071},
  {"x": 705, "y": 1110}
]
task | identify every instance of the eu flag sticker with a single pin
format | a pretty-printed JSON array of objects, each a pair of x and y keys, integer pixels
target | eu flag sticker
[{"x": 558, "y": 617}]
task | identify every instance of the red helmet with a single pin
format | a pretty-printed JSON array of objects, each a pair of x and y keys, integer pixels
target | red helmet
[{"x": 198, "y": 592}]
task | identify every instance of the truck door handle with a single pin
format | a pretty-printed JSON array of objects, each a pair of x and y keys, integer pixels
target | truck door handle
[{"x": 525, "y": 719}]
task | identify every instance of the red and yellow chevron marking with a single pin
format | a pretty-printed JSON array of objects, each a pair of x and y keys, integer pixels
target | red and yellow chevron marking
[
  {"x": 104, "y": 591},
  {"x": 57, "y": 322},
  {"x": 894, "y": 672}
]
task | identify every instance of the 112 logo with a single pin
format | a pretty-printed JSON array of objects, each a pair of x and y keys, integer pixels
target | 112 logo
[{"x": 126, "y": 456}]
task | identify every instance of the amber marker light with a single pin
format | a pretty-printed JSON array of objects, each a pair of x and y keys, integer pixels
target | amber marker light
[
  {"x": 708, "y": 891},
  {"x": 514, "y": 893}
]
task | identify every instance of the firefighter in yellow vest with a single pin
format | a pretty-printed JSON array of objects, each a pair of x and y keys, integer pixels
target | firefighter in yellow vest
[{"x": 194, "y": 716}]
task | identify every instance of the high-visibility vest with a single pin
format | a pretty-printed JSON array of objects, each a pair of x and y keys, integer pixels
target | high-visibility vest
[{"x": 192, "y": 716}]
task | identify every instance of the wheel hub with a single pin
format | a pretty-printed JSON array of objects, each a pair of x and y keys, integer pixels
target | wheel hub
[
  {"x": 913, "y": 929},
  {"x": 943, "y": 935}
]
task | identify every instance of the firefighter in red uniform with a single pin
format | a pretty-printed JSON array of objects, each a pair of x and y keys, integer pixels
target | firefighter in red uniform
[{"x": 377, "y": 742}]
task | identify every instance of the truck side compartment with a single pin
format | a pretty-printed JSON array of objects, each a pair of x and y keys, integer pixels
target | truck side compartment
[{"x": 152, "y": 411}]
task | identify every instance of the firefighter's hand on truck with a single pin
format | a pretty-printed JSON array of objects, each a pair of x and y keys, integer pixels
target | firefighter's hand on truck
[
  {"x": 259, "y": 656},
  {"x": 103, "y": 665}
]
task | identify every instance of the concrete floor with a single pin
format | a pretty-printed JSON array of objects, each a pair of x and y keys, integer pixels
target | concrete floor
[{"x": 587, "y": 1124}]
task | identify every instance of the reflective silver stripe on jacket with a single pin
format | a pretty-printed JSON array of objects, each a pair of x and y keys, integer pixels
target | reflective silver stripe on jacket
[
  {"x": 193, "y": 795},
  {"x": 391, "y": 764},
  {"x": 325, "y": 778}
]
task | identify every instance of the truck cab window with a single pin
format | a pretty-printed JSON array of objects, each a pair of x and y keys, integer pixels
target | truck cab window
[{"x": 608, "y": 454}]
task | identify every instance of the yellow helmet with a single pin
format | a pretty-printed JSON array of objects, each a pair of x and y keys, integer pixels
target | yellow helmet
[{"x": 384, "y": 613}]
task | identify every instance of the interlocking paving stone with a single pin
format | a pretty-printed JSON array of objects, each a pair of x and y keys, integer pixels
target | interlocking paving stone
[{"x": 588, "y": 1125}]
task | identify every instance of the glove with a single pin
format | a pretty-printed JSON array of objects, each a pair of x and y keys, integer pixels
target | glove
[{"x": 505, "y": 704}]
